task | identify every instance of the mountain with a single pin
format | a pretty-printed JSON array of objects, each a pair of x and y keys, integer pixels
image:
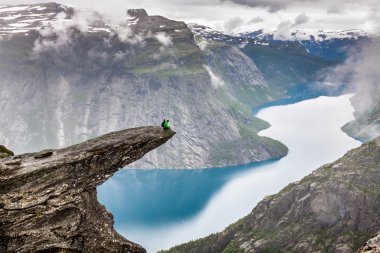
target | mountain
[
  {"x": 282, "y": 63},
  {"x": 69, "y": 75},
  {"x": 335, "y": 209},
  {"x": 307, "y": 57},
  {"x": 48, "y": 199},
  {"x": 329, "y": 45}
]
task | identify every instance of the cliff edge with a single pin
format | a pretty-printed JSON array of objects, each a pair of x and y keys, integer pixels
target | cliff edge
[{"x": 48, "y": 199}]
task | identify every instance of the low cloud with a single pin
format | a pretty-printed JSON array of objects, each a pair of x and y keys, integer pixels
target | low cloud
[
  {"x": 126, "y": 35},
  {"x": 284, "y": 29},
  {"x": 59, "y": 33},
  {"x": 255, "y": 20},
  {"x": 362, "y": 70},
  {"x": 216, "y": 81},
  {"x": 301, "y": 19},
  {"x": 164, "y": 39},
  {"x": 202, "y": 44},
  {"x": 233, "y": 23}
]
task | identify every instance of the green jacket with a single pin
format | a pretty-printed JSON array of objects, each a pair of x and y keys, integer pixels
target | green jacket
[{"x": 166, "y": 124}]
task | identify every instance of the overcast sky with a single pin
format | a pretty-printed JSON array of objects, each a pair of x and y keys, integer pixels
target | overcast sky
[{"x": 240, "y": 15}]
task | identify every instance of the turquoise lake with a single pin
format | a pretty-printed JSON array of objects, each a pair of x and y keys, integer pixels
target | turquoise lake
[{"x": 163, "y": 207}]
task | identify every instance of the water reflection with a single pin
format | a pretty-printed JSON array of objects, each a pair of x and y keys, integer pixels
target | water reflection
[
  {"x": 159, "y": 196},
  {"x": 162, "y": 208}
]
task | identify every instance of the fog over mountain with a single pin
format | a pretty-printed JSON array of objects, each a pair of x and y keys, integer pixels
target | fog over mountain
[{"x": 362, "y": 71}]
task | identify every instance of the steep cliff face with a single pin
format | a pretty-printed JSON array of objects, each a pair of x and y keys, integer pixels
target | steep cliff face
[
  {"x": 48, "y": 199},
  {"x": 73, "y": 76},
  {"x": 283, "y": 64},
  {"x": 335, "y": 209}
]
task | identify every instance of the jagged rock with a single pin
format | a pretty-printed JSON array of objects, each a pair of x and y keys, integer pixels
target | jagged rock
[
  {"x": 44, "y": 153},
  {"x": 372, "y": 245},
  {"x": 49, "y": 204},
  {"x": 143, "y": 24},
  {"x": 335, "y": 209},
  {"x": 137, "y": 13}
]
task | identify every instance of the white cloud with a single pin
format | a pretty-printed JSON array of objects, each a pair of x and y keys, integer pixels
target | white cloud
[
  {"x": 362, "y": 70},
  {"x": 283, "y": 31},
  {"x": 233, "y": 23},
  {"x": 216, "y": 81},
  {"x": 57, "y": 34},
  {"x": 202, "y": 44},
  {"x": 301, "y": 19},
  {"x": 256, "y": 20},
  {"x": 164, "y": 39}
]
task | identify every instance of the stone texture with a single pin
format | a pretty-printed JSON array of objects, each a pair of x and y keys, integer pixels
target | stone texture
[
  {"x": 335, "y": 209},
  {"x": 372, "y": 245},
  {"x": 48, "y": 202}
]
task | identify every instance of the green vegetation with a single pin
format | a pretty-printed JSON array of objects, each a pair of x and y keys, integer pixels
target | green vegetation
[
  {"x": 285, "y": 65},
  {"x": 182, "y": 59},
  {"x": 233, "y": 247},
  {"x": 5, "y": 152},
  {"x": 189, "y": 247},
  {"x": 221, "y": 153}
]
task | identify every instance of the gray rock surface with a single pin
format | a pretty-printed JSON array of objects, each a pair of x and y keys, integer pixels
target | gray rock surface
[
  {"x": 48, "y": 199},
  {"x": 65, "y": 84},
  {"x": 371, "y": 246},
  {"x": 335, "y": 209}
]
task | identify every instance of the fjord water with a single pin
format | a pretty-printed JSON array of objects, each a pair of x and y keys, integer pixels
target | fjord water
[{"x": 162, "y": 208}]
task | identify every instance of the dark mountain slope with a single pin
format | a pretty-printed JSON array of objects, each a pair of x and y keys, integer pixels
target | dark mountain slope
[{"x": 335, "y": 209}]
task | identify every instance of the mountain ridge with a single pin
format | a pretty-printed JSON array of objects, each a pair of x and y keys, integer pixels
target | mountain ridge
[
  {"x": 78, "y": 77},
  {"x": 334, "y": 209}
]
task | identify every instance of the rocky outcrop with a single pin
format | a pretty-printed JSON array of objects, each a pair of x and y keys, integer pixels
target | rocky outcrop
[
  {"x": 141, "y": 23},
  {"x": 70, "y": 82},
  {"x": 48, "y": 199},
  {"x": 335, "y": 209},
  {"x": 371, "y": 246}
]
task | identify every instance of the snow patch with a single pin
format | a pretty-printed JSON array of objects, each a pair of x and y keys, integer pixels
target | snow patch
[{"x": 13, "y": 9}]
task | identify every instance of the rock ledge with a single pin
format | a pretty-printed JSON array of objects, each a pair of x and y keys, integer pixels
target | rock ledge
[{"x": 48, "y": 199}]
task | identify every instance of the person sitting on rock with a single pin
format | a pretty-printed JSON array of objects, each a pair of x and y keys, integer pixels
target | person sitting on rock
[{"x": 165, "y": 124}]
